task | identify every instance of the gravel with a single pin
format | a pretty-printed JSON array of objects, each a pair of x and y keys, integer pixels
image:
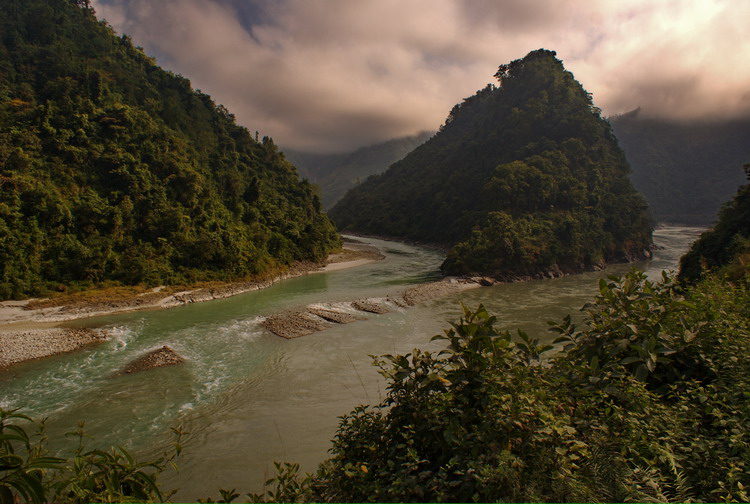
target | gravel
[
  {"x": 160, "y": 357},
  {"x": 22, "y": 345}
]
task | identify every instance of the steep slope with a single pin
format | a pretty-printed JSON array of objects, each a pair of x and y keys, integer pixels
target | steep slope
[
  {"x": 335, "y": 174},
  {"x": 522, "y": 179},
  {"x": 686, "y": 170},
  {"x": 114, "y": 170},
  {"x": 727, "y": 245}
]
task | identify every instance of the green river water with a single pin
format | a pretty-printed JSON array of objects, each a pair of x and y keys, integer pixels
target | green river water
[{"x": 248, "y": 397}]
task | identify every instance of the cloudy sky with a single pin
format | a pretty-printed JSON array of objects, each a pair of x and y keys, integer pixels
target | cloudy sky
[{"x": 333, "y": 75}]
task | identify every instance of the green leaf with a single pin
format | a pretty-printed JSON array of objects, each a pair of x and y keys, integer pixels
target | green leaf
[
  {"x": 630, "y": 360},
  {"x": 641, "y": 373},
  {"x": 594, "y": 364}
]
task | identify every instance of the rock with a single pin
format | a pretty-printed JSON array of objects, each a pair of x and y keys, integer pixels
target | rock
[
  {"x": 355, "y": 251},
  {"x": 424, "y": 292},
  {"x": 398, "y": 301},
  {"x": 295, "y": 324},
  {"x": 334, "y": 316},
  {"x": 369, "y": 307},
  {"x": 160, "y": 357}
]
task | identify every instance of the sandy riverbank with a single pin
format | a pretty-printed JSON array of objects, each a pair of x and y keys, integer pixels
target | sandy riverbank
[
  {"x": 22, "y": 345},
  {"x": 16, "y": 315},
  {"x": 28, "y": 333}
]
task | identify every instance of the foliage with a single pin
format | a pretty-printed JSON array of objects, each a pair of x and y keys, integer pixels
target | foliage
[
  {"x": 647, "y": 402},
  {"x": 112, "y": 169},
  {"x": 28, "y": 472},
  {"x": 23, "y": 462},
  {"x": 726, "y": 247},
  {"x": 522, "y": 179},
  {"x": 646, "y": 329},
  {"x": 286, "y": 486},
  {"x": 685, "y": 169}
]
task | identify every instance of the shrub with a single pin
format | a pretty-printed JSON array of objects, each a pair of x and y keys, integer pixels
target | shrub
[
  {"x": 29, "y": 473},
  {"x": 647, "y": 401}
]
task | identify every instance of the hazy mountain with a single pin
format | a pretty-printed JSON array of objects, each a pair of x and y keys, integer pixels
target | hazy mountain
[
  {"x": 686, "y": 170},
  {"x": 337, "y": 173},
  {"x": 524, "y": 178}
]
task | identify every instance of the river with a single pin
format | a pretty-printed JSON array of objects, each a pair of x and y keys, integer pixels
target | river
[{"x": 249, "y": 398}]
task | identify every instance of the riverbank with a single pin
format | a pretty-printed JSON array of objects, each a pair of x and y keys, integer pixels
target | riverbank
[
  {"x": 31, "y": 329},
  {"x": 35, "y": 343}
]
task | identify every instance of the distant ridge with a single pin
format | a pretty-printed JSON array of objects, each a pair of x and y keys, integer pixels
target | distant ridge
[
  {"x": 686, "y": 170},
  {"x": 337, "y": 173}
]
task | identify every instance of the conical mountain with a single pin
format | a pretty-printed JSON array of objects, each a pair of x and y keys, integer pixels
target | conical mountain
[
  {"x": 114, "y": 170},
  {"x": 523, "y": 179}
]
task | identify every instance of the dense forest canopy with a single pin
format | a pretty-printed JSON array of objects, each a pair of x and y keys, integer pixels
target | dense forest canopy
[
  {"x": 112, "y": 169},
  {"x": 523, "y": 178},
  {"x": 335, "y": 174},
  {"x": 685, "y": 169}
]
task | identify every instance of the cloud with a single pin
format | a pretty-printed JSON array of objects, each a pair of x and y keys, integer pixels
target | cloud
[{"x": 339, "y": 74}]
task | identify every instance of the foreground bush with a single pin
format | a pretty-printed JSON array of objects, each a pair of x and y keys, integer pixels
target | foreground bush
[
  {"x": 29, "y": 474},
  {"x": 648, "y": 400}
]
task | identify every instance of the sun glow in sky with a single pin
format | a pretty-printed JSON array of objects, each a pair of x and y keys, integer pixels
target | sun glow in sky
[{"x": 332, "y": 75}]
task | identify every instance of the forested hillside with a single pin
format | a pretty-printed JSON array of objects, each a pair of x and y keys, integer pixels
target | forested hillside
[
  {"x": 686, "y": 170},
  {"x": 725, "y": 247},
  {"x": 337, "y": 173},
  {"x": 524, "y": 178},
  {"x": 113, "y": 169}
]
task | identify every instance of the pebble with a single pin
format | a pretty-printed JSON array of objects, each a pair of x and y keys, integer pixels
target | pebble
[
  {"x": 23, "y": 345},
  {"x": 295, "y": 324},
  {"x": 160, "y": 357}
]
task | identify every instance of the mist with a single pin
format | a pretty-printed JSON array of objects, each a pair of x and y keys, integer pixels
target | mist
[{"x": 332, "y": 76}]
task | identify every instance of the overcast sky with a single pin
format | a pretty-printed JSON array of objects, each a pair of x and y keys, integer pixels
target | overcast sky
[{"x": 333, "y": 75}]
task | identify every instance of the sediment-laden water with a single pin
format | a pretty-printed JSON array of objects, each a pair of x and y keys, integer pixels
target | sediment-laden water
[{"x": 248, "y": 397}]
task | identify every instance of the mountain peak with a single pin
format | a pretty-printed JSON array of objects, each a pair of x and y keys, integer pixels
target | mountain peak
[{"x": 521, "y": 179}]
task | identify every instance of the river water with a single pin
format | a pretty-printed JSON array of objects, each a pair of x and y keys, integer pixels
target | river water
[{"x": 249, "y": 398}]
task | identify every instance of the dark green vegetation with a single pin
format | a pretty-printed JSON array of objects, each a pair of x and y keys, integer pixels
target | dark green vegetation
[
  {"x": 522, "y": 179},
  {"x": 335, "y": 174},
  {"x": 114, "y": 170},
  {"x": 726, "y": 247},
  {"x": 686, "y": 170},
  {"x": 29, "y": 474}
]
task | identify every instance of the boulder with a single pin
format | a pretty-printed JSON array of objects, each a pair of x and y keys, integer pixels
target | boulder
[{"x": 160, "y": 357}]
